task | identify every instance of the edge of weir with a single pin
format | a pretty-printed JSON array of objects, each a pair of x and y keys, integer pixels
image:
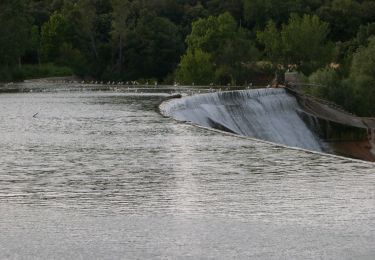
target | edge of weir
[{"x": 162, "y": 111}]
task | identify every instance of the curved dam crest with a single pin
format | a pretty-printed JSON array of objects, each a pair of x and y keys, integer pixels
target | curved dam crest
[{"x": 268, "y": 114}]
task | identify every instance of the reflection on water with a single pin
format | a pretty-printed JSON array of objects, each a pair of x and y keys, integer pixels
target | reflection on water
[{"x": 103, "y": 175}]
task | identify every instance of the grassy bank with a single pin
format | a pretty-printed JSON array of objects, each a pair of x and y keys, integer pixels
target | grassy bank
[{"x": 33, "y": 72}]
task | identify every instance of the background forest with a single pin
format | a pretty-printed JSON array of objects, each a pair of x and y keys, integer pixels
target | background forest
[{"x": 329, "y": 42}]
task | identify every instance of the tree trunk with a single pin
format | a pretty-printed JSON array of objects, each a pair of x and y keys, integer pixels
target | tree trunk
[
  {"x": 120, "y": 54},
  {"x": 38, "y": 54},
  {"x": 94, "y": 46}
]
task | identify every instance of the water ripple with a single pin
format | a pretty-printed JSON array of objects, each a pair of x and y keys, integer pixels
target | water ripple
[{"x": 109, "y": 155}]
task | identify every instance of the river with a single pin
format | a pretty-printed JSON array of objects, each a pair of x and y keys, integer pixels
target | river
[{"x": 101, "y": 174}]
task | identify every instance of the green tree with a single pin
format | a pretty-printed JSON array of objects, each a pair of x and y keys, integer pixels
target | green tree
[
  {"x": 86, "y": 23},
  {"x": 40, "y": 11},
  {"x": 305, "y": 42},
  {"x": 328, "y": 84},
  {"x": 153, "y": 47},
  {"x": 229, "y": 47},
  {"x": 344, "y": 16},
  {"x": 15, "y": 31},
  {"x": 32, "y": 54},
  {"x": 258, "y": 12},
  {"x": 57, "y": 44},
  {"x": 209, "y": 34},
  {"x": 191, "y": 14},
  {"x": 302, "y": 42},
  {"x": 196, "y": 67},
  {"x": 53, "y": 36},
  {"x": 271, "y": 39},
  {"x": 120, "y": 27},
  {"x": 173, "y": 10},
  {"x": 217, "y": 7},
  {"x": 362, "y": 76}
]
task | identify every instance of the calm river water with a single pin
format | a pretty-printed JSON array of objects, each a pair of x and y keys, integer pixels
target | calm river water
[{"x": 104, "y": 175}]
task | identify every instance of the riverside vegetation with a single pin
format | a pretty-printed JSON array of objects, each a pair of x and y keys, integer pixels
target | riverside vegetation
[{"x": 330, "y": 42}]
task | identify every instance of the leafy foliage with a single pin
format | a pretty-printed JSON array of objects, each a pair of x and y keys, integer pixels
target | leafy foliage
[
  {"x": 229, "y": 47},
  {"x": 258, "y": 12},
  {"x": 15, "y": 31},
  {"x": 303, "y": 42},
  {"x": 206, "y": 41},
  {"x": 153, "y": 48},
  {"x": 196, "y": 67},
  {"x": 53, "y": 36},
  {"x": 330, "y": 86},
  {"x": 362, "y": 75}
]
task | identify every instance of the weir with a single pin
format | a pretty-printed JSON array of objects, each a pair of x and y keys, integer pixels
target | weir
[{"x": 277, "y": 115}]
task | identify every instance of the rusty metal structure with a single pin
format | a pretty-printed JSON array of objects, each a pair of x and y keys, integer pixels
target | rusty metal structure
[{"x": 346, "y": 133}]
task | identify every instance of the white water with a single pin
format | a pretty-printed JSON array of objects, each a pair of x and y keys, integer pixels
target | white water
[{"x": 267, "y": 114}]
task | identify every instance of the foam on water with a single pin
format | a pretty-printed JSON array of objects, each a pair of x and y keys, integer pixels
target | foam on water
[{"x": 267, "y": 114}]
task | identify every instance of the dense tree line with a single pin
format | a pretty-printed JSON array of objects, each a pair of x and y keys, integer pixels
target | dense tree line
[{"x": 202, "y": 42}]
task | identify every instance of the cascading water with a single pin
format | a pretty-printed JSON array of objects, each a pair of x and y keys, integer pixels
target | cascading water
[{"x": 267, "y": 114}]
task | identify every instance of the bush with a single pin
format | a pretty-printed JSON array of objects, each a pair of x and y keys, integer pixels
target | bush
[
  {"x": 329, "y": 85},
  {"x": 5, "y": 74},
  {"x": 196, "y": 67},
  {"x": 362, "y": 74},
  {"x": 40, "y": 71},
  {"x": 326, "y": 81}
]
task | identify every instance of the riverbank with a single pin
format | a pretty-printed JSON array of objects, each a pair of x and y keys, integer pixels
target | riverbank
[
  {"x": 33, "y": 71},
  {"x": 37, "y": 83}
]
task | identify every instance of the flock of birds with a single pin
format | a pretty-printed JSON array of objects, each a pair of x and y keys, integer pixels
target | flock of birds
[
  {"x": 134, "y": 86},
  {"x": 130, "y": 83},
  {"x": 92, "y": 82},
  {"x": 123, "y": 83}
]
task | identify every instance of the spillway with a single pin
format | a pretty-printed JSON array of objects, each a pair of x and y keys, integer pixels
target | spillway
[{"x": 267, "y": 114}]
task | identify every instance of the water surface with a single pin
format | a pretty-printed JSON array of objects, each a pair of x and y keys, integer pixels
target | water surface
[{"x": 104, "y": 175}]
